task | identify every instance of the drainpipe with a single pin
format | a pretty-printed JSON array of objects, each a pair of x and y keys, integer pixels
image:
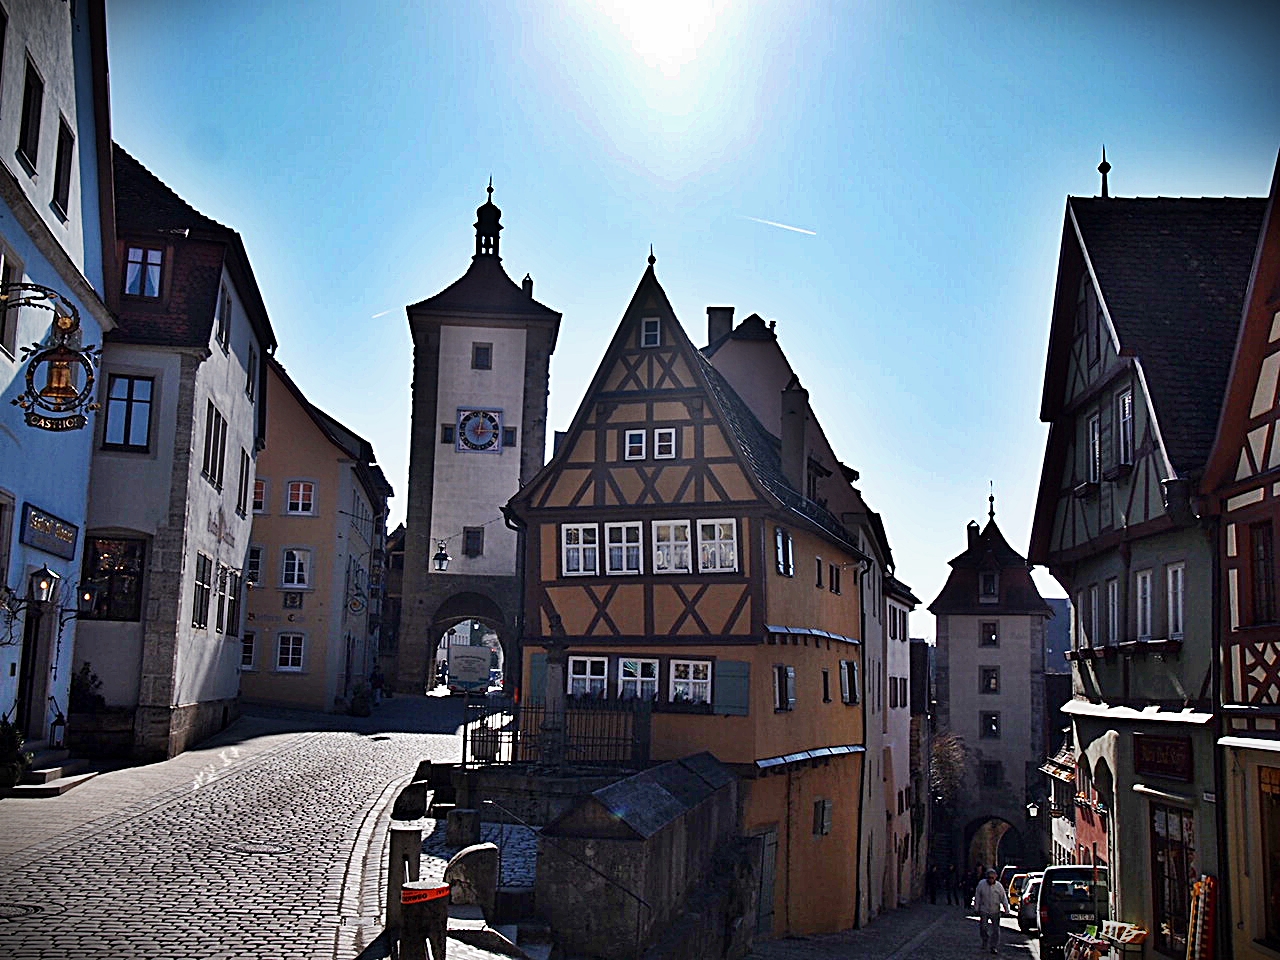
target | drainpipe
[
  {"x": 1223, "y": 931},
  {"x": 788, "y": 883},
  {"x": 512, "y": 680}
]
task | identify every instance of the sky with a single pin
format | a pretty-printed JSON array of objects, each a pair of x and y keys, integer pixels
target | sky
[{"x": 886, "y": 181}]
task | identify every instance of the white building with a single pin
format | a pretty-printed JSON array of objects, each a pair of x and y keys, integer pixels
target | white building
[{"x": 55, "y": 211}]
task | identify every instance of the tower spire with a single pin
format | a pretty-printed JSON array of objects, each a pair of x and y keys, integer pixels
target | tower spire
[
  {"x": 1104, "y": 168},
  {"x": 991, "y": 501},
  {"x": 488, "y": 225},
  {"x": 652, "y": 258}
]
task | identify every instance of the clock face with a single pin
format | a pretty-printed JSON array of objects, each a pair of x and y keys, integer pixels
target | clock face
[{"x": 479, "y": 429}]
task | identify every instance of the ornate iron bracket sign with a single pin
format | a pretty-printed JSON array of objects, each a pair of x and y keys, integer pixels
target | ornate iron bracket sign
[{"x": 65, "y": 366}]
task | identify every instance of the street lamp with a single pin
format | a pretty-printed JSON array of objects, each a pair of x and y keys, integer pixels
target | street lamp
[
  {"x": 441, "y": 559},
  {"x": 1033, "y": 810}
]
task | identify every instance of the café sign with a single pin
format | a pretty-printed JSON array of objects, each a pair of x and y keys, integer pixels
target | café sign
[
  {"x": 44, "y": 531},
  {"x": 1168, "y": 757}
]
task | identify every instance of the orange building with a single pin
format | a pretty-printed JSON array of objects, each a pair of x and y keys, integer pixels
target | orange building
[{"x": 672, "y": 555}]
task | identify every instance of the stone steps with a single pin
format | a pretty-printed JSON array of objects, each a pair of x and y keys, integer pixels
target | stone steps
[
  {"x": 52, "y": 773},
  {"x": 51, "y": 788}
]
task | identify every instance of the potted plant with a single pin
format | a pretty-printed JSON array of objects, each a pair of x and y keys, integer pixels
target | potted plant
[{"x": 13, "y": 759}]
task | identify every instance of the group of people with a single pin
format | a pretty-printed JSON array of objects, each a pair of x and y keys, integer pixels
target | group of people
[{"x": 990, "y": 899}]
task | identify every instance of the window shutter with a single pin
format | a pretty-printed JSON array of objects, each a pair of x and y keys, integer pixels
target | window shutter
[
  {"x": 731, "y": 688},
  {"x": 791, "y": 688},
  {"x": 535, "y": 690},
  {"x": 844, "y": 681},
  {"x": 855, "y": 691}
]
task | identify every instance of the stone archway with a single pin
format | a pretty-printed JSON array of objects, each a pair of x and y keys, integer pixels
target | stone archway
[
  {"x": 991, "y": 842},
  {"x": 470, "y": 605}
]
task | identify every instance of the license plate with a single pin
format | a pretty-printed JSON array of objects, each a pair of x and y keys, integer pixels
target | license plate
[{"x": 1081, "y": 916}]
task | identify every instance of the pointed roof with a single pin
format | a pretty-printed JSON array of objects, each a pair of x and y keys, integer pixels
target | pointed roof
[{"x": 989, "y": 551}]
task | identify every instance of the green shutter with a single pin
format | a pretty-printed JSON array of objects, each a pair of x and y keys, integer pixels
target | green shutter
[
  {"x": 732, "y": 688},
  {"x": 535, "y": 690}
]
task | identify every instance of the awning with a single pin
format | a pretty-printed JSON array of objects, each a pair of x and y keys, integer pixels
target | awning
[
  {"x": 818, "y": 753},
  {"x": 1086, "y": 708},
  {"x": 811, "y": 632},
  {"x": 1250, "y": 743}
]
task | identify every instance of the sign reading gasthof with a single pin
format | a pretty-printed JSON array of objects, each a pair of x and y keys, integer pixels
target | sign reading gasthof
[
  {"x": 44, "y": 531},
  {"x": 1168, "y": 757}
]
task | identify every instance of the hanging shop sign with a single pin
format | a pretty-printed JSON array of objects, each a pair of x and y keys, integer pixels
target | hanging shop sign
[
  {"x": 44, "y": 531},
  {"x": 1168, "y": 757},
  {"x": 60, "y": 373}
]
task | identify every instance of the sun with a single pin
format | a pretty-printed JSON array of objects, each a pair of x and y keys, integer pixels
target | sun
[{"x": 666, "y": 35}]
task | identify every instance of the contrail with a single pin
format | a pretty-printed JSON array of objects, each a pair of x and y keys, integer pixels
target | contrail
[
  {"x": 382, "y": 314},
  {"x": 783, "y": 226}
]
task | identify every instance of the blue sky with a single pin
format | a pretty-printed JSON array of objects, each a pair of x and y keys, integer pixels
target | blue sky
[{"x": 927, "y": 146}]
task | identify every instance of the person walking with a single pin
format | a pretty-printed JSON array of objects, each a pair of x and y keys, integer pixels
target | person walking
[
  {"x": 953, "y": 885},
  {"x": 376, "y": 682},
  {"x": 990, "y": 900}
]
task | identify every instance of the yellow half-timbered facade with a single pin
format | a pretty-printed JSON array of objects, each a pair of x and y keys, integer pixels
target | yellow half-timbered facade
[{"x": 672, "y": 556}]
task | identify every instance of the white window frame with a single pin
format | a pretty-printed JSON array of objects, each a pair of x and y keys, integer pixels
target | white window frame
[
  {"x": 1113, "y": 610},
  {"x": 664, "y": 443},
  {"x": 850, "y": 688},
  {"x": 784, "y": 560},
  {"x": 580, "y": 549},
  {"x": 717, "y": 543},
  {"x": 626, "y": 569},
  {"x": 650, "y": 332},
  {"x": 1124, "y": 428},
  {"x": 296, "y": 657},
  {"x": 691, "y": 683},
  {"x": 301, "y": 574},
  {"x": 1093, "y": 616},
  {"x": 256, "y": 503},
  {"x": 1176, "y": 583},
  {"x": 1094, "y": 449},
  {"x": 647, "y": 672},
  {"x": 665, "y": 537},
  {"x": 592, "y": 669},
  {"x": 307, "y": 487},
  {"x": 253, "y": 564},
  {"x": 784, "y": 687},
  {"x": 248, "y": 651},
  {"x": 1142, "y": 603},
  {"x": 633, "y": 444}
]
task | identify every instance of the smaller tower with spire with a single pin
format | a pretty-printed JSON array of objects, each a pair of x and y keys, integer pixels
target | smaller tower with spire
[
  {"x": 1104, "y": 168},
  {"x": 488, "y": 226}
]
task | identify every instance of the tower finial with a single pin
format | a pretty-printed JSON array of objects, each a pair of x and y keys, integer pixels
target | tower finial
[
  {"x": 652, "y": 258},
  {"x": 1104, "y": 168},
  {"x": 991, "y": 501},
  {"x": 491, "y": 188}
]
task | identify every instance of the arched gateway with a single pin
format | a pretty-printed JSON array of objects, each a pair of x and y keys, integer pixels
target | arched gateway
[{"x": 481, "y": 366}]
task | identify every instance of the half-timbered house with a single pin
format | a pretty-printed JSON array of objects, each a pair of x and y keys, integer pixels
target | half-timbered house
[
  {"x": 1148, "y": 300},
  {"x": 1240, "y": 487},
  {"x": 672, "y": 555}
]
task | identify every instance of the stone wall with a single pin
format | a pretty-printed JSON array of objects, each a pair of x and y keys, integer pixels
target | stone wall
[{"x": 531, "y": 793}]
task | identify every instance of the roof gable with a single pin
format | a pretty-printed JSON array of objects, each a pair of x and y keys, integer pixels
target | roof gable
[{"x": 989, "y": 552}]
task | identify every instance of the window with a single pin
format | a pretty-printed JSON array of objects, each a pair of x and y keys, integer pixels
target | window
[
  {"x": 1262, "y": 561},
  {"x": 664, "y": 443},
  {"x": 637, "y": 679},
  {"x": 833, "y": 580},
  {"x": 587, "y": 676},
  {"x": 826, "y": 686},
  {"x": 784, "y": 687},
  {"x": 246, "y": 650},
  {"x": 1175, "y": 577},
  {"x": 784, "y": 558},
  {"x": 251, "y": 373},
  {"x": 289, "y": 653},
  {"x": 989, "y": 725},
  {"x": 1124, "y": 428},
  {"x": 32, "y": 103},
  {"x": 296, "y": 564},
  {"x": 1113, "y": 610},
  {"x": 634, "y": 444},
  {"x": 622, "y": 548},
  {"x": 988, "y": 679},
  {"x": 128, "y": 413},
  {"x": 215, "y": 446},
  {"x": 893, "y": 693},
  {"x": 222, "y": 320},
  {"x": 822, "y": 817},
  {"x": 508, "y": 436},
  {"x": 472, "y": 541},
  {"x": 204, "y": 586},
  {"x": 1094, "y": 611},
  {"x": 233, "y": 604},
  {"x": 142, "y": 271},
  {"x": 301, "y": 498},
  {"x": 989, "y": 634},
  {"x": 579, "y": 546},
  {"x": 114, "y": 565},
  {"x": 1269, "y": 815},
  {"x": 62, "y": 167},
  {"x": 253, "y": 566},
  {"x": 242, "y": 488},
  {"x": 446, "y": 433},
  {"x": 1142, "y": 581},
  {"x": 817, "y": 562},
  {"x": 482, "y": 356},
  {"x": 850, "y": 692},
  {"x": 992, "y": 773},
  {"x": 717, "y": 546},
  {"x": 989, "y": 587},
  {"x": 220, "y": 599},
  {"x": 650, "y": 332},
  {"x": 671, "y": 546},
  {"x": 1093, "y": 469},
  {"x": 691, "y": 681},
  {"x": 10, "y": 272},
  {"x": 1173, "y": 870},
  {"x": 259, "y": 496}
]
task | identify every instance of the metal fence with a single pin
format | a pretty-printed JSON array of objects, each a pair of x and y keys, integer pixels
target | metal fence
[{"x": 591, "y": 731}]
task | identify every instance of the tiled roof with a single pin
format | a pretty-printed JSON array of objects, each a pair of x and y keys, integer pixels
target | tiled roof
[
  {"x": 485, "y": 289},
  {"x": 990, "y": 551},
  {"x": 144, "y": 203},
  {"x": 1173, "y": 274}
]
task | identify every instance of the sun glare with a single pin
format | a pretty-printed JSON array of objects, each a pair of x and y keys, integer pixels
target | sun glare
[{"x": 665, "y": 34}]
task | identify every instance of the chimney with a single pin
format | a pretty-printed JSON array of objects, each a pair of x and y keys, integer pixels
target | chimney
[
  {"x": 795, "y": 413},
  {"x": 719, "y": 323},
  {"x": 527, "y": 286},
  {"x": 557, "y": 442},
  {"x": 973, "y": 533}
]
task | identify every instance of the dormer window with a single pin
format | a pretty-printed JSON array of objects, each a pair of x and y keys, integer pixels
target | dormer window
[
  {"x": 650, "y": 332},
  {"x": 988, "y": 587},
  {"x": 142, "y": 271}
]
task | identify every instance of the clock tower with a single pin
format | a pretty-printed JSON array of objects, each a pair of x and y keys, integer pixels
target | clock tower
[{"x": 481, "y": 366}]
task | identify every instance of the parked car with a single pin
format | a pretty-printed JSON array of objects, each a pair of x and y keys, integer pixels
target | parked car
[
  {"x": 1070, "y": 899},
  {"x": 1007, "y": 873},
  {"x": 1015, "y": 891},
  {"x": 1029, "y": 907}
]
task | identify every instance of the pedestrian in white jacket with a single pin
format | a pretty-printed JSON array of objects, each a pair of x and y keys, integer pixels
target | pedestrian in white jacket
[{"x": 990, "y": 900}]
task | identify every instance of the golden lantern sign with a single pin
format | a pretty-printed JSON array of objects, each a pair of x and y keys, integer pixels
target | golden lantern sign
[{"x": 60, "y": 371}]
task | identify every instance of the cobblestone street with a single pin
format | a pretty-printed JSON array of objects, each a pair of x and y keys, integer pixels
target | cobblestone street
[{"x": 264, "y": 842}]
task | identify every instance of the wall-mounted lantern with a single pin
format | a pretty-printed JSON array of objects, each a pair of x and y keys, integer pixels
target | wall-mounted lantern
[{"x": 441, "y": 559}]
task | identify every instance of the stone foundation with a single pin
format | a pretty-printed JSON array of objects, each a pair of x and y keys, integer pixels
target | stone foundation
[{"x": 161, "y": 733}]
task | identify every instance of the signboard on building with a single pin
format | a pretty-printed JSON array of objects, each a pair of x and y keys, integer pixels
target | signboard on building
[
  {"x": 469, "y": 669},
  {"x": 44, "y": 531},
  {"x": 1168, "y": 757}
]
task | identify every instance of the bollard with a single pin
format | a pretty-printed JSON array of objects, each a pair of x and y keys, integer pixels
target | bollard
[
  {"x": 406, "y": 858},
  {"x": 463, "y": 827},
  {"x": 411, "y": 803},
  {"x": 425, "y": 907}
]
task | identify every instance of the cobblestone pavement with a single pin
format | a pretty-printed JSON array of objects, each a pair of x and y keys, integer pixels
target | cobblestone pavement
[
  {"x": 266, "y": 842},
  {"x": 922, "y": 931}
]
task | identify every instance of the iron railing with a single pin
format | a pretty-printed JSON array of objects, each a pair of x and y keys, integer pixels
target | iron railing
[{"x": 587, "y": 731}]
